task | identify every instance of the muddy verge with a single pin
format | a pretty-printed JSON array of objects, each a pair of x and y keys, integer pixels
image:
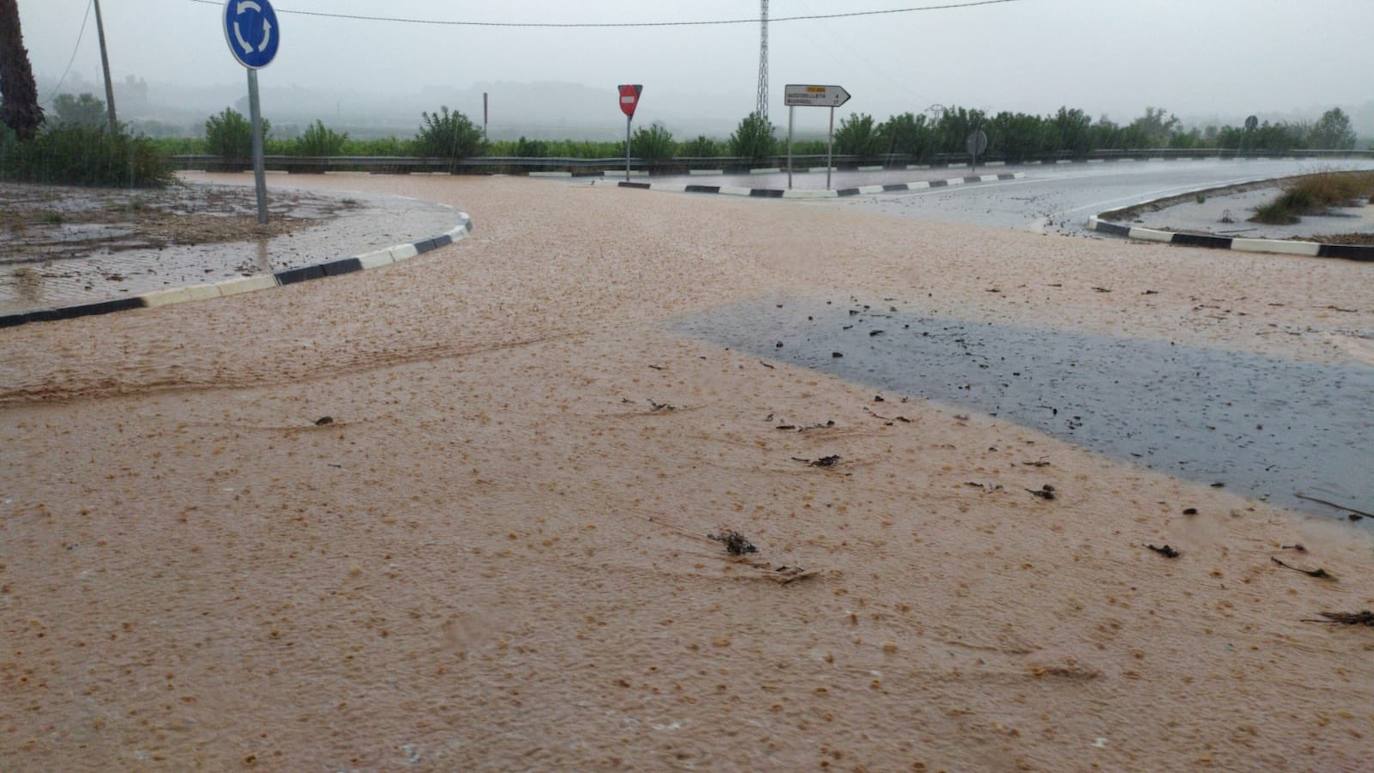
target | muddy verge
[{"x": 46, "y": 223}]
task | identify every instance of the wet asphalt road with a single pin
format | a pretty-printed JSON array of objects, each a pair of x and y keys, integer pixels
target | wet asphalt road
[
  {"x": 1264, "y": 427},
  {"x": 1051, "y": 199}
]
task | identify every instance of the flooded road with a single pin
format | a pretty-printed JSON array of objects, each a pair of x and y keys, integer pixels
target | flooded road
[{"x": 1267, "y": 428}]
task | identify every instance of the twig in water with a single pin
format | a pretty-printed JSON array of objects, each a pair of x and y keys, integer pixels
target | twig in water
[
  {"x": 1166, "y": 551},
  {"x": 1360, "y": 513}
]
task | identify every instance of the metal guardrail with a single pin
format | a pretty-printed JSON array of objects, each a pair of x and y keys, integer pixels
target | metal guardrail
[{"x": 595, "y": 166}]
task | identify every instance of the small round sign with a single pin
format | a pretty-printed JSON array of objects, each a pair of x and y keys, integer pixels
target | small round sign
[
  {"x": 977, "y": 142},
  {"x": 252, "y": 32}
]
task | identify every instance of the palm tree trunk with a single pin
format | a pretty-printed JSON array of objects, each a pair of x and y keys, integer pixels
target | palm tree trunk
[{"x": 18, "y": 94}]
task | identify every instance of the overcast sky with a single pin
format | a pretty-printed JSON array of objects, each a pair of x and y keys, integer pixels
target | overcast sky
[{"x": 1194, "y": 57}]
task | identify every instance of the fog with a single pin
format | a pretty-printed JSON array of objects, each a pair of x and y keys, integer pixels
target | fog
[{"x": 1206, "y": 60}]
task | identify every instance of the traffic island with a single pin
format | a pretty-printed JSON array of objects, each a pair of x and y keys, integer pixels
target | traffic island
[
  {"x": 782, "y": 193},
  {"x": 238, "y": 286}
]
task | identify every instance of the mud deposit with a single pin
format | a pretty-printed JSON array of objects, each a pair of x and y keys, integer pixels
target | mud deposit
[{"x": 1267, "y": 428}]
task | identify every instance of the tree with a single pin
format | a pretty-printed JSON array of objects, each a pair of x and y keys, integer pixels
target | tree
[
  {"x": 19, "y": 108},
  {"x": 754, "y": 139},
  {"x": 858, "y": 136},
  {"x": 1332, "y": 131},
  {"x": 954, "y": 127},
  {"x": 654, "y": 143},
  {"x": 1152, "y": 130},
  {"x": 1072, "y": 128},
  {"x": 1018, "y": 136},
  {"x": 908, "y": 134},
  {"x": 84, "y": 110}
]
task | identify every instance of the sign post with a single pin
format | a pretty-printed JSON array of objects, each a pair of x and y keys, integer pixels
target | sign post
[
  {"x": 814, "y": 96},
  {"x": 791, "y": 122},
  {"x": 977, "y": 144},
  {"x": 629, "y": 101},
  {"x": 254, "y": 36}
]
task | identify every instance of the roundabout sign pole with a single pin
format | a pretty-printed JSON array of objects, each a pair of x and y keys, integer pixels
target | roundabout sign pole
[{"x": 253, "y": 35}]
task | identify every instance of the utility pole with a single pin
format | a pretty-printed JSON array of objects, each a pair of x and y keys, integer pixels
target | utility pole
[
  {"x": 761, "y": 105},
  {"x": 105, "y": 63}
]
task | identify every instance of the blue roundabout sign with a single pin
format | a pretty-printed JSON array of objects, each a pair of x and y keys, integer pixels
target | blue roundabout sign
[{"x": 252, "y": 32}]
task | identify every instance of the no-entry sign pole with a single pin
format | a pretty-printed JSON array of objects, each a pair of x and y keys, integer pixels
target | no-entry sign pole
[
  {"x": 629, "y": 101},
  {"x": 814, "y": 96},
  {"x": 254, "y": 36}
]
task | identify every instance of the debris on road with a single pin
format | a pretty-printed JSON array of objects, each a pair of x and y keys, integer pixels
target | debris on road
[
  {"x": 1166, "y": 551},
  {"x": 1320, "y": 574},
  {"x": 1045, "y": 492},
  {"x": 736, "y": 544},
  {"x": 324, "y": 421},
  {"x": 1365, "y": 618},
  {"x": 824, "y": 461}
]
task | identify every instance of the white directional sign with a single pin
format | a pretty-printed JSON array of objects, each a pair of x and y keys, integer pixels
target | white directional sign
[{"x": 815, "y": 96}]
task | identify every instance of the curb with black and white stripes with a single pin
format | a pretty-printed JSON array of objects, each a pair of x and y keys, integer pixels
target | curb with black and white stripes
[
  {"x": 229, "y": 287},
  {"x": 1274, "y": 246},
  {"x": 779, "y": 193}
]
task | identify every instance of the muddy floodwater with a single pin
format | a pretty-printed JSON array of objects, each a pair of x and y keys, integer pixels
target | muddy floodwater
[{"x": 1267, "y": 428}]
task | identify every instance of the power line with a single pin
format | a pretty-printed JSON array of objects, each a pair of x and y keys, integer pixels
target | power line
[
  {"x": 75, "y": 49},
  {"x": 623, "y": 25}
]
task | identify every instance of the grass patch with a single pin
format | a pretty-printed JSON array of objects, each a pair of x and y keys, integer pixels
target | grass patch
[{"x": 1315, "y": 195}]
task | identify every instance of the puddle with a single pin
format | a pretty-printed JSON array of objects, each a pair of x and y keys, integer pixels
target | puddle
[{"x": 1266, "y": 428}]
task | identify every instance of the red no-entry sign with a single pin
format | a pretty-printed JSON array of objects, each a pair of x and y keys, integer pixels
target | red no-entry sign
[{"x": 629, "y": 99}]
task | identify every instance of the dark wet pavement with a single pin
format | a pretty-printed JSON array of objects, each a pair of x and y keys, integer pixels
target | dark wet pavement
[{"x": 1266, "y": 428}]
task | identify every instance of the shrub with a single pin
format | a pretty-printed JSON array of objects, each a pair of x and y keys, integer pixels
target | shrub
[
  {"x": 448, "y": 135},
  {"x": 229, "y": 135},
  {"x": 1314, "y": 194},
  {"x": 653, "y": 143},
  {"x": 857, "y": 136},
  {"x": 320, "y": 140},
  {"x": 754, "y": 139},
  {"x": 531, "y": 148},
  {"x": 701, "y": 147},
  {"x": 386, "y": 146},
  {"x": 83, "y": 155}
]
